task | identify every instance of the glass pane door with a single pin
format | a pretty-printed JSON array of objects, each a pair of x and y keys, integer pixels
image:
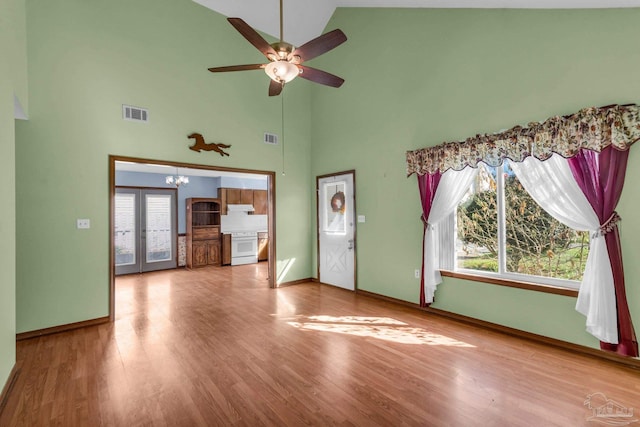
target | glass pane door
[
  {"x": 125, "y": 229},
  {"x": 158, "y": 227},
  {"x": 145, "y": 230},
  {"x": 126, "y": 233}
]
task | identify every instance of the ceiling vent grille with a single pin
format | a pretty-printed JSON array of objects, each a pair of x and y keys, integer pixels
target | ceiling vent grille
[
  {"x": 270, "y": 138},
  {"x": 135, "y": 114}
]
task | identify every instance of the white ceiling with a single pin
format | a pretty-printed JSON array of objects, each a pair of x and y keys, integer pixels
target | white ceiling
[
  {"x": 172, "y": 170},
  {"x": 307, "y": 19}
]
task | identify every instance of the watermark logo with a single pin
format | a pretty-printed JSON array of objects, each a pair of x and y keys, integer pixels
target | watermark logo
[{"x": 608, "y": 411}]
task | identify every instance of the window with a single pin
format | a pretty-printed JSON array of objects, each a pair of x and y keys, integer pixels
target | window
[{"x": 502, "y": 232}]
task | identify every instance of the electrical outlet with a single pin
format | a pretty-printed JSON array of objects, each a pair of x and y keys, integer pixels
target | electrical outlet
[
  {"x": 416, "y": 273},
  {"x": 83, "y": 223}
]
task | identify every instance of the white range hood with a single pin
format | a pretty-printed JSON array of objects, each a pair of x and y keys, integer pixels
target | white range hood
[{"x": 240, "y": 208}]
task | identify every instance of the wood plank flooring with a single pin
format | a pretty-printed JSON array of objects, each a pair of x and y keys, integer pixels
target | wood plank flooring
[{"x": 217, "y": 347}]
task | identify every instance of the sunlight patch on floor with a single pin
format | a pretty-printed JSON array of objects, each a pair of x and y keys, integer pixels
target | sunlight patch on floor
[
  {"x": 382, "y": 328},
  {"x": 356, "y": 319}
]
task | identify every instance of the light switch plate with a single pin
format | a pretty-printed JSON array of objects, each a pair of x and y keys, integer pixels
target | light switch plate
[
  {"x": 362, "y": 218},
  {"x": 83, "y": 223}
]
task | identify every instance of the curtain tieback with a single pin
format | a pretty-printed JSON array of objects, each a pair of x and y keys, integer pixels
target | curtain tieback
[
  {"x": 610, "y": 223},
  {"x": 427, "y": 226}
]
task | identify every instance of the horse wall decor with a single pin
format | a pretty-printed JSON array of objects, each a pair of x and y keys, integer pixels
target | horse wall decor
[{"x": 200, "y": 145}]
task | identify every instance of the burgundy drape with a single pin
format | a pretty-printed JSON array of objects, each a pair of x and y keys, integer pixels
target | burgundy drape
[
  {"x": 601, "y": 178},
  {"x": 427, "y": 184}
]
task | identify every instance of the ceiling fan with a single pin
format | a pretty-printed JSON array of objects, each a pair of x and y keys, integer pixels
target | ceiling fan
[{"x": 285, "y": 60}]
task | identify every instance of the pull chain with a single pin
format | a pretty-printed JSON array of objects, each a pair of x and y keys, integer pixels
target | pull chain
[{"x": 282, "y": 131}]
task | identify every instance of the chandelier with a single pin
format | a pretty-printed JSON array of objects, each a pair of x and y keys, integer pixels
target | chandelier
[{"x": 177, "y": 179}]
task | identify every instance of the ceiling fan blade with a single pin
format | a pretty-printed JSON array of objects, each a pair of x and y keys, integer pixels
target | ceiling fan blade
[
  {"x": 319, "y": 76},
  {"x": 320, "y": 45},
  {"x": 236, "y": 68},
  {"x": 252, "y": 36},
  {"x": 275, "y": 88}
]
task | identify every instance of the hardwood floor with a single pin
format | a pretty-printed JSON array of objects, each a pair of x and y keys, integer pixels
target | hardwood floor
[{"x": 217, "y": 347}]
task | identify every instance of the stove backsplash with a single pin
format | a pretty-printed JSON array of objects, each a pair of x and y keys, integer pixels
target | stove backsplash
[{"x": 241, "y": 221}]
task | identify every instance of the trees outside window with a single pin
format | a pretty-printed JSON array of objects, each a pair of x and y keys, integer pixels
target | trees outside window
[{"x": 502, "y": 230}]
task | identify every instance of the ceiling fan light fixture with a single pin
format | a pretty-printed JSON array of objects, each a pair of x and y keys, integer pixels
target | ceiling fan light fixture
[
  {"x": 285, "y": 60},
  {"x": 281, "y": 71}
]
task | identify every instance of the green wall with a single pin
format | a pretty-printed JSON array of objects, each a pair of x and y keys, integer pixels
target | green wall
[
  {"x": 416, "y": 78},
  {"x": 13, "y": 80},
  {"x": 86, "y": 59}
]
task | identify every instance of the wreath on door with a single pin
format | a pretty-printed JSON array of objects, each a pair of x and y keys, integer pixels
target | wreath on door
[{"x": 338, "y": 202}]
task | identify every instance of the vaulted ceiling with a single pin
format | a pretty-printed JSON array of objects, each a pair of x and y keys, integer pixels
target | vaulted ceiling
[{"x": 306, "y": 19}]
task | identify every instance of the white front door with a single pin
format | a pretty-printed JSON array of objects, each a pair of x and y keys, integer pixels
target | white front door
[{"x": 336, "y": 229}]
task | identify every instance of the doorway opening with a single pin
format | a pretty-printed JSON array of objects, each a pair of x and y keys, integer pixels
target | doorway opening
[{"x": 205, "y": 183}]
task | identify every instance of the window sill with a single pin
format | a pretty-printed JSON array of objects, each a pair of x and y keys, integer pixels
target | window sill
[{"x": 512, "y": 283}]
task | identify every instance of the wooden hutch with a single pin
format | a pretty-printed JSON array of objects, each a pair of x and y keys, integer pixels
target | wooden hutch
[{"x": 203, "y": 232}]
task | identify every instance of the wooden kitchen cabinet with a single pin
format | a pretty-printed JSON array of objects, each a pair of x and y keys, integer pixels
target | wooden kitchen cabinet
[
  {"x": 222, "y": 196},
  {"x": 263, "y": 246},
  {"x": 246, "y": 197},
  {"x": 198, "y": 254},
  {"x": 233, "y": 196},
  {"x": 226, "y": 249},
  {"x": 238, "y": 196},
  {"x": 213, "y": 252},
  {"x": 205, "y": 252},
  {"x": 228, "y": 196},
  {"x": 260, "y": 202},
  {"x": 203, "y": 232}
]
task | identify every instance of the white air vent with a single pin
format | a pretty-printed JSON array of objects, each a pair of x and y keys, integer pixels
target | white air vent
[
  {"x": 270, "y": 138},
  {"x": 135, "y": 114}
]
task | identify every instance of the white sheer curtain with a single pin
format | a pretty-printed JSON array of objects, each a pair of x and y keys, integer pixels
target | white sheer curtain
[
  {"x": 452, "y": 187},
  {"x": 553, "y": 187}
]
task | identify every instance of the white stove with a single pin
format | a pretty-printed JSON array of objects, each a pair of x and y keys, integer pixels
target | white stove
[{"x": 244, "y": 247}]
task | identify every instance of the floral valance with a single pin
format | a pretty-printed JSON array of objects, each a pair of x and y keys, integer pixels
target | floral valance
[{"x": 591, "y": 128}]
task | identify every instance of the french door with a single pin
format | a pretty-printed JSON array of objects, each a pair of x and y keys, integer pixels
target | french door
[
  {"x": 145, "y": 232},
  {"x": 336, "y": 229}
]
